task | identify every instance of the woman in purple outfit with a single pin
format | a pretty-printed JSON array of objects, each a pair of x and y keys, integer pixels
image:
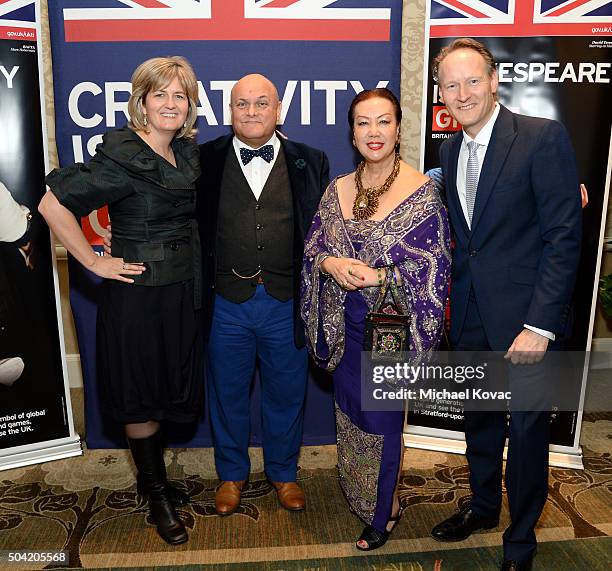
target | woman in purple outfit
[{"x": 383, "y": 222}]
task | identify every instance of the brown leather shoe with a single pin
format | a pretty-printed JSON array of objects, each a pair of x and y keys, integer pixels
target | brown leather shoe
[
  {"x": 290, "y": 496},
  {"x": 227, "y": 498}
]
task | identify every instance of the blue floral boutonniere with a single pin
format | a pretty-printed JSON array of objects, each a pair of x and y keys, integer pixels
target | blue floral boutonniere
[{"x": 300, "y": 163}]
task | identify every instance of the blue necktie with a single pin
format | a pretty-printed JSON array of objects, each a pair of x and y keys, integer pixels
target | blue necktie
[{"x": 266, "y": 153}]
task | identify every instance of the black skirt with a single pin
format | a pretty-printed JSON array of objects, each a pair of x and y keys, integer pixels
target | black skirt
[{"x": 149, "y": 352}]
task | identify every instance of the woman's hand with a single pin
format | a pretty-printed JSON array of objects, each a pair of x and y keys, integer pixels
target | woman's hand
[
  {"x": 349, "y": 273},
  {"x": 116, "y": 268},
  {"x": 65, "y": 226},
  {"x": 370, "y": 277}
]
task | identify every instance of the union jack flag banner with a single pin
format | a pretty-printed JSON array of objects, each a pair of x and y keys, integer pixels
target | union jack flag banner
[
  {"x": 33, "y": 380},
  {"x": 504, "y": 18},
  {"x": 150, "y": 20},
  {"x": 554, "y": 61},
  {"x": 318, "y": 53},
  {"x": 98, "y": 43},
  {"x": 17, "y": 19}
]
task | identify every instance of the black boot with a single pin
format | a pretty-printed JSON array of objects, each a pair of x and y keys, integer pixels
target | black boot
[
  {"x": 149, "y": 460},
  {"x": 177, "y": 497}
]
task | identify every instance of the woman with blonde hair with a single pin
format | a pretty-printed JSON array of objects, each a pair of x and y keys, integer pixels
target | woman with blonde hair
[{"x": 149, "y": 345}]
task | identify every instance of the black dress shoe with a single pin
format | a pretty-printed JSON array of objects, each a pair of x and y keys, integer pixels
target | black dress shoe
[
  {"x": 461, "y": 525},
  {"x": 510, "y": 565}
]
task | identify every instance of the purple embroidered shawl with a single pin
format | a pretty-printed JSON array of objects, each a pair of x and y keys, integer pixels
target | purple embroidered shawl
[{"x": 414, "y": 237}]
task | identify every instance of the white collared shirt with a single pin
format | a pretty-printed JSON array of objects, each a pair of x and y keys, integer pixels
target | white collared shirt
[
  {"x": 258, "y": 170},
  {"x": 482, "y": 138}
]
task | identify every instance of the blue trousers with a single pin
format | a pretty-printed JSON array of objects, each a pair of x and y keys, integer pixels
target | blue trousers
[{"x": 242, "y": 334}]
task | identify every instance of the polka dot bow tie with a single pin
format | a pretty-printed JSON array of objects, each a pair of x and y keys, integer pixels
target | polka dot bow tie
[{"x": 266, "y": 153}]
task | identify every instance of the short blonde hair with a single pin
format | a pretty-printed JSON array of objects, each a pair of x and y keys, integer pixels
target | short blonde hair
[{"x": 156, "y": 73}]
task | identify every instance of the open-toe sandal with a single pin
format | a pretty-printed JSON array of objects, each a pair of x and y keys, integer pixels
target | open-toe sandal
[{"x": 374, "y": 538}]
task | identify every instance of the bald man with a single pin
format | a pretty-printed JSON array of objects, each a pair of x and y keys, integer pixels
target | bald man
[{"x": 258, "y": 194}]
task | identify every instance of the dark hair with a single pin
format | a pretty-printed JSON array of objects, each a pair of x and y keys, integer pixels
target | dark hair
[
  {"x": 464, "y": 44},
  {"x": 382, "y": 92}
]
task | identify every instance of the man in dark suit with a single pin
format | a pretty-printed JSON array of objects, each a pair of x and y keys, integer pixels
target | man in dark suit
[
  {"x": 514, "y": 206},
  {"x": 258, "y": 194}
]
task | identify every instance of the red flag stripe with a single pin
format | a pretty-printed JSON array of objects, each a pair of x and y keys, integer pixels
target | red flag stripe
[
  {"x": 280, "y": 3},
  {"x": 150, "y": 4},
  {"x": 465, "y": 9},
  {"x": 511, "y": 30},
  {"x": 563, "y": 9},
  {"x": 233, "y": 29},
  {"x": 12, "y": 33}
]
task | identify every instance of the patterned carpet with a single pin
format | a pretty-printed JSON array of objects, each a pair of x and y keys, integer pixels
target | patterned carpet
[{"x": 89, "y": 507}]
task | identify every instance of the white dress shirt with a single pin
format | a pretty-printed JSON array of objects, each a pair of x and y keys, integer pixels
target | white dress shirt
[
  {"x": 258, "y": 170},
  {"x": 482, "y": 138}
]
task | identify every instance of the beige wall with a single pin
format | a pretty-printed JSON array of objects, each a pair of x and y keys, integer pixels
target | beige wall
[
  {"x": 411, "y": 83},
  {"x": 413, "y": 31},
  {"x": 62, "y": 266}
]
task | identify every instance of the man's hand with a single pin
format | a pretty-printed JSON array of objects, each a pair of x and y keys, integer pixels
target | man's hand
[{"x": 527, "y": 348}]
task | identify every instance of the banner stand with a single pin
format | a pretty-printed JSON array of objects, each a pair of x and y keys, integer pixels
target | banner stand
[
  {"x": 224, "y": 41},
  {"x": 447, "y": 441},
  {"x": 44, "y": 452},
  {"x": 529, "y": 35},
  {"x": 36, "y": 421}
]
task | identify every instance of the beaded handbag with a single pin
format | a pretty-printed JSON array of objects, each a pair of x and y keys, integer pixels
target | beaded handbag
[{"x": 387, "y": 326}]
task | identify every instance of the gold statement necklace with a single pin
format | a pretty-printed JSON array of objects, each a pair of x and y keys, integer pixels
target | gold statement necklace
[{"x": 366, "y": 201}]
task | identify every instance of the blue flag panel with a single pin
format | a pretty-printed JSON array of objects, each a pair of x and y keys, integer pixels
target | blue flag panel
[{"x": 319, "y": 55}]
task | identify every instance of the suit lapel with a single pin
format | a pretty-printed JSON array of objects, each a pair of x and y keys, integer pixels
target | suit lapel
[
  {"x": 502, "y": 137},
  {"x": 296, "y": 167},
  {"x": 213, "y": 166},
  {"x": 451, "y": 184},
  {"x": 216, "y": 165}
]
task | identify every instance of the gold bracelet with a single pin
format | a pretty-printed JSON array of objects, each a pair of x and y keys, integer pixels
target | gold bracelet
[{"x": 379, "y": 276}]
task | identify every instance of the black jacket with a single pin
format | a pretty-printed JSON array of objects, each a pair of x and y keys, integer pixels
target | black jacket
[
  {"x": 151, "y": 203},
  {"x": 309, "y": 176}
]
